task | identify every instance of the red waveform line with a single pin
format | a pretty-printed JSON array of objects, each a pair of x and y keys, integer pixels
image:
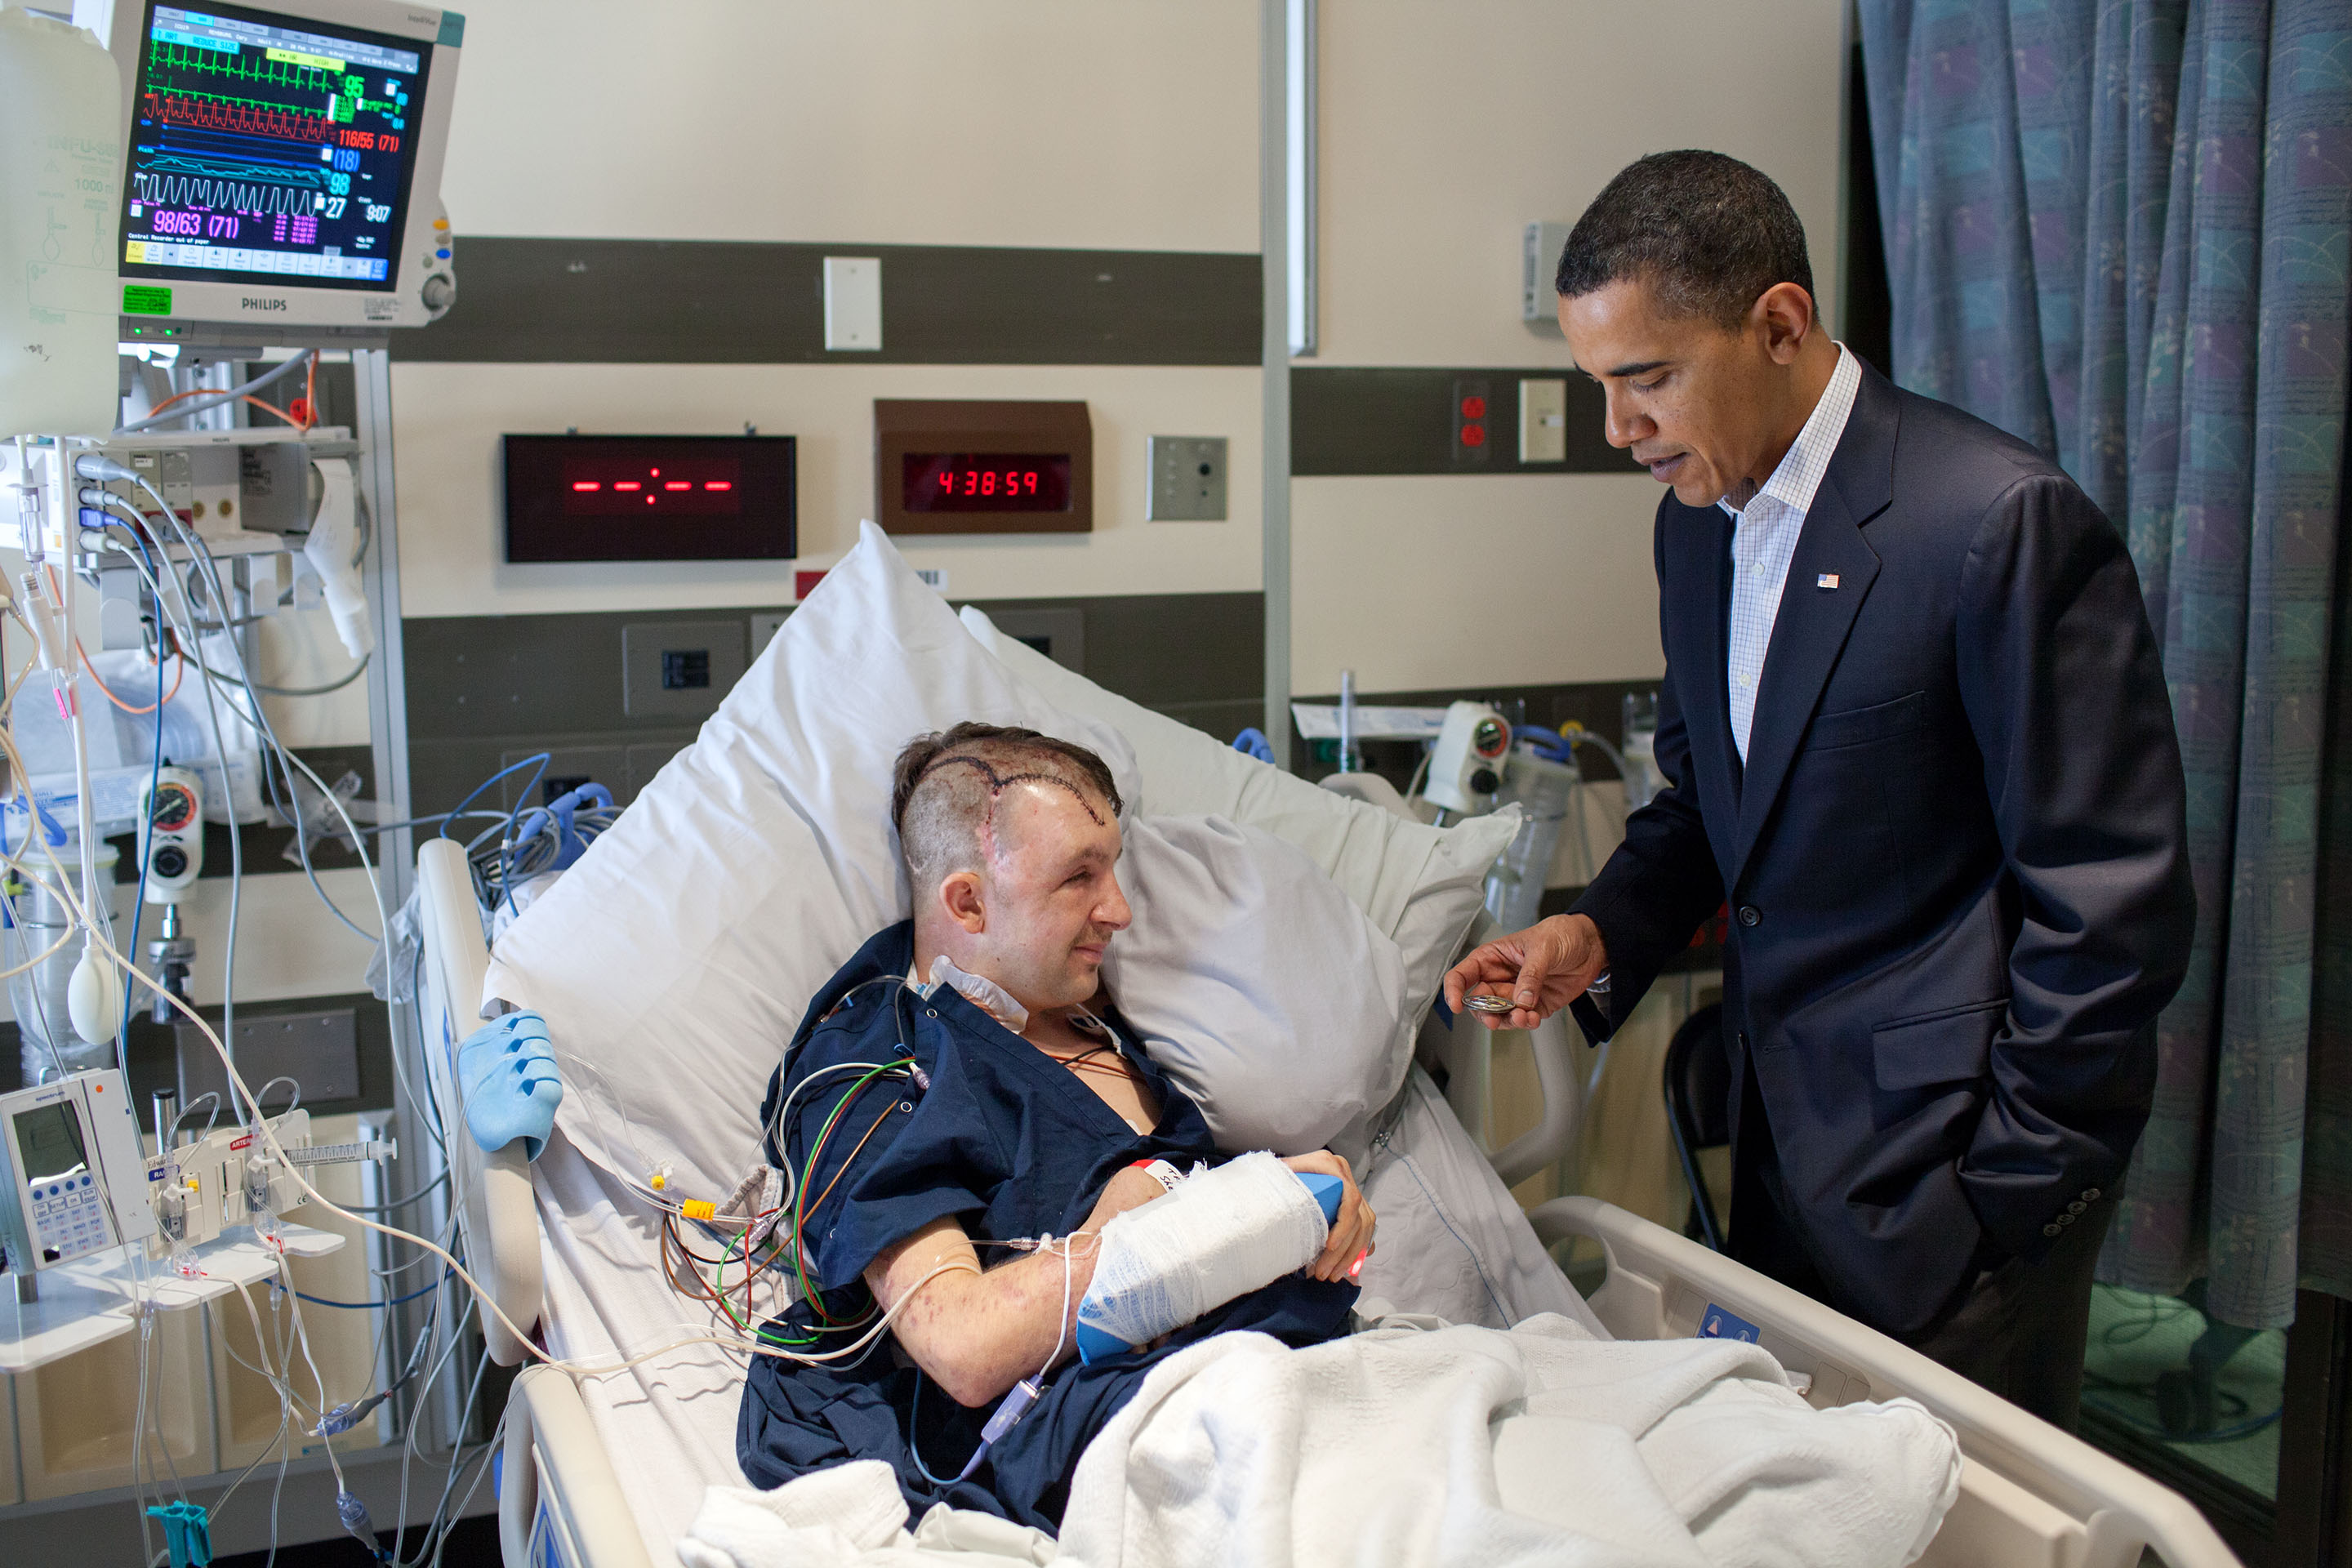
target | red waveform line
[{"x": 174, "y": 110}]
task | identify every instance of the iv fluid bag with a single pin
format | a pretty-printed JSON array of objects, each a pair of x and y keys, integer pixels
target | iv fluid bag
[{"x": 60, "y": 186}]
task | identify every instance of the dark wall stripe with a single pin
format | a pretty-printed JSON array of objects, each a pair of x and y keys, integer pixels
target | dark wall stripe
[
  {"x": 1384, "y": 420},
  {"x": 723, "y": 302},
  {"x": 484, "y": 689}
]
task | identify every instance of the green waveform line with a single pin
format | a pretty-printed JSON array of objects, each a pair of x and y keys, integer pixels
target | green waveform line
[{"x": 265, "y": 72}]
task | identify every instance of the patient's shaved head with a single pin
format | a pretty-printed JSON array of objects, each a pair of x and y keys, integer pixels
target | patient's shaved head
[{"x": 948, "y": 787}]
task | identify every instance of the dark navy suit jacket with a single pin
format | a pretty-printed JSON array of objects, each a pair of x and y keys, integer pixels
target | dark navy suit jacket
[{"x": 1955, "y": 856}]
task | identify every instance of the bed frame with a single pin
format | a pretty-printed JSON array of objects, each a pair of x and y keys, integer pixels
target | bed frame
[{"x": 2031, "y": 1496}]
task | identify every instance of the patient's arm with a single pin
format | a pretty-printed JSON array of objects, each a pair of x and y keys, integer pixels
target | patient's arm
[{"x": 977, "y": 1333}]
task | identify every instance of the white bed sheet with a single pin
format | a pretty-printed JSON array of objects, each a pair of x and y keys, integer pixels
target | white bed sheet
[{"x": 1452, "y": 1244}]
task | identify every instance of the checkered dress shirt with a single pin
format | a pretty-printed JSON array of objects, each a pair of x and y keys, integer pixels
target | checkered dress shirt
[{"x": 1764, "y": 537}]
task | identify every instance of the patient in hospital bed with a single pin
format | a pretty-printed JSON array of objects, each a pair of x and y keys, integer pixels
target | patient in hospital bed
[{"x": 962, "y": 1085}]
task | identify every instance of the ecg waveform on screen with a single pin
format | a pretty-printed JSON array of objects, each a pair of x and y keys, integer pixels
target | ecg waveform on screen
[
  {"x": 223, "y": 196},
  {"x": 208, "y": 111},
  {"x": 240, "y": 66}
]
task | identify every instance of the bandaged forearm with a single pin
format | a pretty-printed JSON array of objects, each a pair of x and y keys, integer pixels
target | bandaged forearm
[{"x": 1216, "y": 1236}]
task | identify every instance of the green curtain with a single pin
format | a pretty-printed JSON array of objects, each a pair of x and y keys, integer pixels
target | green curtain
[{"x": 2120, "y": 230}]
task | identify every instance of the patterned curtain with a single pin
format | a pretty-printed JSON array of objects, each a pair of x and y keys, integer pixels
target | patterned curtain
[{"x": 2119, "y": 228}]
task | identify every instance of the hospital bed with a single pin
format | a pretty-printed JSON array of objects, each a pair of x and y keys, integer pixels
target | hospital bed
[{"x": 604, "y": 1472}]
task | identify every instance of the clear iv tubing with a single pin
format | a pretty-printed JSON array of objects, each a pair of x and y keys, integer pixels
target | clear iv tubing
[{"x": 269, "y": 1140}]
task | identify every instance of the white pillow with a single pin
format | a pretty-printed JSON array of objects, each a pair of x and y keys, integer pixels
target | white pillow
[
  {"x": 674, "y": 962},
  {"x": 1268, "y": 997},
  {"x": 1421, "y": 885}
]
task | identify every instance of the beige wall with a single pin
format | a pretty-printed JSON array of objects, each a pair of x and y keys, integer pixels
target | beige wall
[
  {"x": 1027, "y": 122},
  {"x": 1045, "y": 123},
  {"x": 1444, "y": 131}
]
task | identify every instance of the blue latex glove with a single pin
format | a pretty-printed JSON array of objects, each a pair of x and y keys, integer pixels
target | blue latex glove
[{"x": 508, "y": 1071}]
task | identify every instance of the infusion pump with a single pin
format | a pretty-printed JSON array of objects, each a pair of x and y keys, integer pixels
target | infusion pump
[{"x": 76, "y": 1175}]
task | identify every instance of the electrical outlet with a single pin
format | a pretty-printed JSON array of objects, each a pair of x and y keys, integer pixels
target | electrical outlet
[{"x": 1472, "y": 418}]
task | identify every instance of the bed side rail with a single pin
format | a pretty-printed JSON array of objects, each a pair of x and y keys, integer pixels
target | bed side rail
[
  {"x": 1466, "y": 1048},
  {"x": 558, "y": 1499},
  {"x": 2030, "y": 1495},
  {"x": 494, "y": 1203}
]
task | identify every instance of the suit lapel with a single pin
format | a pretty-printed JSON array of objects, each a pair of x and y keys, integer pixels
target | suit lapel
[{"x": 1809, "y": 631}]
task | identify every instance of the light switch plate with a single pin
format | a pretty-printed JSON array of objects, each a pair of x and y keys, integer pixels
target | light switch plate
[
  {"x": 853, "y": 302},
  {"x": 1543, "y": 420},
  {"x": 1188, "y": 479}
]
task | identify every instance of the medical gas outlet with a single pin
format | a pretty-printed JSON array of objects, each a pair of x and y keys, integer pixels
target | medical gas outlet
[{"x": 1466, "y": 768}]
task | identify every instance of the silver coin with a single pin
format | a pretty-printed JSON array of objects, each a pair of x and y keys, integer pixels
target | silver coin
[{"x": 1485, "y": 1003}]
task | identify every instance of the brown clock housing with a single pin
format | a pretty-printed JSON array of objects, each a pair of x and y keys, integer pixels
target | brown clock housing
[{"x": 983, "y": 466}]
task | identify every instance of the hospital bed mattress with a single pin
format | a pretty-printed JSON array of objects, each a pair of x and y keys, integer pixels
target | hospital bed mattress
[{"x": 1452, "y": 1244}]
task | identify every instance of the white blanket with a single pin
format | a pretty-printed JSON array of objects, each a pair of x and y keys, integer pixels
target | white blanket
[{"x": 1407, "y": 1446}]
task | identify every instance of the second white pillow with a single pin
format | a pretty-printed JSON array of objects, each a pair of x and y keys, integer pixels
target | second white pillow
[{"x": 1260, "y": 987}]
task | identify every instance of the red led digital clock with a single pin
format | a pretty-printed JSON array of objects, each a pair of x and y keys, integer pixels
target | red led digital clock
[
  {"x": 983, "y": 466},
  {"x": 650, "y": 497},
  {"x": 985, "y": 481}
]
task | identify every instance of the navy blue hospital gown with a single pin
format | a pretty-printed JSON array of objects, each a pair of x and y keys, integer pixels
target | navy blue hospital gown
[{"x": 1013, "y": 1144}]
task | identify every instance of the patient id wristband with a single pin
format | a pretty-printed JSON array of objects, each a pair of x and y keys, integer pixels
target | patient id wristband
[{"x": 1160, "y": 1171}]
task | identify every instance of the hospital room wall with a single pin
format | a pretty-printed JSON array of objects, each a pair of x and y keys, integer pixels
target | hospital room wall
[
  {"x": 1442, "y": 132},
  {"x": 1056, "y": 125}
]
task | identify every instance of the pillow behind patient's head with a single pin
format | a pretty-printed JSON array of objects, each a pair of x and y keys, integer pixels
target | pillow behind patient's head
[{"x": 1266, "y": 994}]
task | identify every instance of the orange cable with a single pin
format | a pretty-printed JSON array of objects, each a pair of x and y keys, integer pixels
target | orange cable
[{"x": 178, "y": 675}]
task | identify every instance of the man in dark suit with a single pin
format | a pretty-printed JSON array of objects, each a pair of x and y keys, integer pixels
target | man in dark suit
[{"x": 1917, "y": 738}]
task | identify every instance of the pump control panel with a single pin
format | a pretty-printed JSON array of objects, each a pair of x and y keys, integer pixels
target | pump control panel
[{"x": 76, "y": 1177}]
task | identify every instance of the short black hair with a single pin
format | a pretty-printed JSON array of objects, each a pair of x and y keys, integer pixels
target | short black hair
[{"x": 1706, "y": 233}]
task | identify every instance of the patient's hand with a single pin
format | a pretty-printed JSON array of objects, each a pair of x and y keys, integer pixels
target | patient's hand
[{"x": 1352, "y": 1234}]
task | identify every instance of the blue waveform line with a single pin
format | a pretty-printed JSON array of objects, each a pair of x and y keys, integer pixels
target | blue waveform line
[
  {"x": 221, "y": 196},
  {"x": 307, "y": 175},
  {"x": 193, "y": 140}
]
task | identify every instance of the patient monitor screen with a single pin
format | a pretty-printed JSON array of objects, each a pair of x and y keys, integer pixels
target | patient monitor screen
[
  {"x": 48, "y": 1142},
  {"x": 265, "y": 146}
]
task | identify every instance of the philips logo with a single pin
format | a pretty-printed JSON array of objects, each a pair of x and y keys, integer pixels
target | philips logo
[{"x": 253, "y": 304}]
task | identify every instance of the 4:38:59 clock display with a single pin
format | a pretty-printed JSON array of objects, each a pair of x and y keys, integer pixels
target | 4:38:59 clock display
[{"x": 986, "y": 481}]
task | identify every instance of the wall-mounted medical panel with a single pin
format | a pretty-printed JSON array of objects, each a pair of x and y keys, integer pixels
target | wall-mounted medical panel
[
  {"x": 983, "y": 466},
  {"x": 74, "y": 1417},
  {"x": 651, "y": 498}
]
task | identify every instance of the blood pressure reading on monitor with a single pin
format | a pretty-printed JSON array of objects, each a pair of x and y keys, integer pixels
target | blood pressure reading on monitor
[
  {"x": 48, "y": 1140},
  {"x": 986, "y": 481},
  {"x": 262, "y": 150}
]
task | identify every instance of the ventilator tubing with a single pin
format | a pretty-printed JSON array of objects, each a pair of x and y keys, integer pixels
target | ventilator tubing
[{"x": 1216, "y": 1235}]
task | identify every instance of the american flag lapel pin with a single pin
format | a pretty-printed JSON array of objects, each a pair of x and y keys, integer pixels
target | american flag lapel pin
[{"x": 1826, "y": 580}]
